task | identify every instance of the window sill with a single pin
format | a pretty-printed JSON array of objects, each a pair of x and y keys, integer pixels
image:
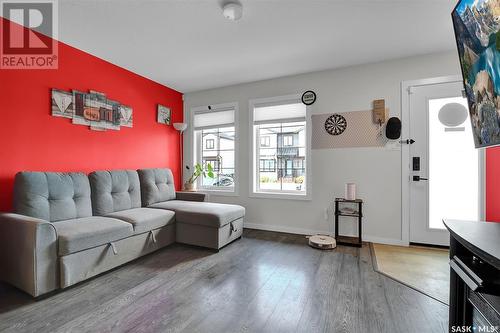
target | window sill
[
  {"x": 280, "y": 196},
  {"x": 222, "y": 193}
]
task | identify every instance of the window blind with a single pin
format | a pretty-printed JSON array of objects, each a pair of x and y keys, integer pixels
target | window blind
[
  {"x": 213, "y": 119},
  {"x": 289, "y": 112}
]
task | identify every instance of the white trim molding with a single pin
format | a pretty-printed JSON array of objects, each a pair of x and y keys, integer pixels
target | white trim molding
[
  {"x": 406, "y": 92},
  {"x": 252, "y": 103},
  {"x": 308, "y": 232},
  {"x": 192, "y": 148}
]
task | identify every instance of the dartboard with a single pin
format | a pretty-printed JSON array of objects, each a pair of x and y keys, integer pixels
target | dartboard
[{"x": 335, "y": 124}]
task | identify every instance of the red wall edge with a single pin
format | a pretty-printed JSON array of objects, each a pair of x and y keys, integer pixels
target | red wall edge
[
  {"x": 493, "y": 184},
  {"x": 31, "y": 139}
]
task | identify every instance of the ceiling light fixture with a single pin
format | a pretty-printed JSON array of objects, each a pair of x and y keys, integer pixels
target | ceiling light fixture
[{"x": 232, "y": 11}]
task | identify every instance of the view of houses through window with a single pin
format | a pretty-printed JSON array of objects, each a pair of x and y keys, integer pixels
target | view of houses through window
[
  {"x": 280, "y": 146},
  {"x": 214, "y": 133},
  {"x": 217, "y": 149},
  {"x": 282, "y": 156}
]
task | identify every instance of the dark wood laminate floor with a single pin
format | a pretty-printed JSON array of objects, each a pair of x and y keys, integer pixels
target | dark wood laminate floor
[{"x": 265, "y": 282}]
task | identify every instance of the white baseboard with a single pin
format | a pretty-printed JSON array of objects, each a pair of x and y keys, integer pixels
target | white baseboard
[
  {"x": 387, "y": 241},
  {"x": 289, "y": 230},
  {"x": 303, "y": 231}
]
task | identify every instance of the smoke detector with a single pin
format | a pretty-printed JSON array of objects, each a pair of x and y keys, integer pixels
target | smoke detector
[{"x": 232, "y": 11}]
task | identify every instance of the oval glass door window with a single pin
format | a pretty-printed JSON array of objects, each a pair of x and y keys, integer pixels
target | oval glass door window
[{"x": 452, "y": 114}]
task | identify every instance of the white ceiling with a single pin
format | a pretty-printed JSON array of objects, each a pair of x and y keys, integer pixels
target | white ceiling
[{"x": 188, "y": 45}]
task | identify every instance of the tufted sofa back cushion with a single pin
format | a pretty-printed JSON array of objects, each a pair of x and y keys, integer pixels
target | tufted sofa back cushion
[
  {"x": 157, "y": 185},
  {"x": 52, "y": 196},
  {"x": 113, "y": 191}
]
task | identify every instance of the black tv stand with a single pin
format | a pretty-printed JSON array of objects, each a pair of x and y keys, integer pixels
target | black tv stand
[{"x": 474, "y": 275}]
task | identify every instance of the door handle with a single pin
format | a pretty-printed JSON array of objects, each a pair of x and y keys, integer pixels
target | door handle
[
  {"x": 407, "y": 141},
  {"x": 418, "y": 178}
]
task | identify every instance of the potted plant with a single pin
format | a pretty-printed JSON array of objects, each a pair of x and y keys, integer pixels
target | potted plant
[{"x": 190, "y": 184}]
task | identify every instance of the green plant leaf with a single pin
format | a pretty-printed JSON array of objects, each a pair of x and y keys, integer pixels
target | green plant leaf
[{"x": 199, "y": 171}]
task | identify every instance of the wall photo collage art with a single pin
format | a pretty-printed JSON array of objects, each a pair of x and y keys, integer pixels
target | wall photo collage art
[{"x": 91, "y": 109}]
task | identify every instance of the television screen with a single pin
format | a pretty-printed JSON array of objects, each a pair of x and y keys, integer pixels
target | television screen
[{"x": 476, "y": 24}]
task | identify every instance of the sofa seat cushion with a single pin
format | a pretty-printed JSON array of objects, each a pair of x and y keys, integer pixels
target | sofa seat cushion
[
  {"x": 210, "y": 214},
  {"x": 145, "y": 219},
  {"x": 88, "y": 232}
]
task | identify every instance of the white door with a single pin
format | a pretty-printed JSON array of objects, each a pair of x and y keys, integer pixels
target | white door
[{"x": 444, "y": 176}]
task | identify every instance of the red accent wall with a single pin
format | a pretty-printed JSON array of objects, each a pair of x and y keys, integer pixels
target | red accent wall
[
  {"x": 493, "y": 184},
  {"x": 31, "y": 139}
]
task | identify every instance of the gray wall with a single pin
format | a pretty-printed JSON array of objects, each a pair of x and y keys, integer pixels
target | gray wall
[{"x": 376, "y": 171}]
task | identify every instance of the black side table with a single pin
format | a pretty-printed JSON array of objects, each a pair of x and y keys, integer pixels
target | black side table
[{"x": 346, "y": 240}]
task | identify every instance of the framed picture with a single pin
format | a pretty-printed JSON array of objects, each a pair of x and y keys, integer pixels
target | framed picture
[
  {"x": 62, "y": 104},
  {"x": 164, "y": 115},
  {"x": 126, "y": 118}
]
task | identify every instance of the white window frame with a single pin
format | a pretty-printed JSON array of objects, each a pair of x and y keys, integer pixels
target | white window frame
[
  {"x": 196, "y": 149},
  {"x": 254, "y": 144}
]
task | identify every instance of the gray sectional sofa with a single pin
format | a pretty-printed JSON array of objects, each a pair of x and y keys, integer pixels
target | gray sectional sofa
[{"x": 68, "y": 227}]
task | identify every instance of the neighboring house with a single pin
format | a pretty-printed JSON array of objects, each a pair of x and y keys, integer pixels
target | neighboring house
[
  {"x": 218, "y": 151},
  {"x": 282, "y": 155}
]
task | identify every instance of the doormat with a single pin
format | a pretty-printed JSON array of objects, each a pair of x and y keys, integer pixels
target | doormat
[{"x": 421, "y": 268}]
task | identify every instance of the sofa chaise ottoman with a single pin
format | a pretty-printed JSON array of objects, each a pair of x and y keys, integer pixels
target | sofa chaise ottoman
[{"x": 206, "y": 224}]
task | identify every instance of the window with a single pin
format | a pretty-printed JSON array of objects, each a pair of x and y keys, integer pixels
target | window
[
  {"x": 209, "y": 144},
  {"x": 267, "y": 165},
  {"x": 213, "y": 161},
  {"x": 265, "y": 141},
  {"x": 288, "y": 140},
  {"x": 214, "y": 134},
  {"x": 280, "y": 169},
  {"x": 298, "y": 163}
]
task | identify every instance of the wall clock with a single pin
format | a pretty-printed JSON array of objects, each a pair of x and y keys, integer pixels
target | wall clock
[
  {"x": 309, "y": 97},
  {"x": 335, "y": 124}
]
